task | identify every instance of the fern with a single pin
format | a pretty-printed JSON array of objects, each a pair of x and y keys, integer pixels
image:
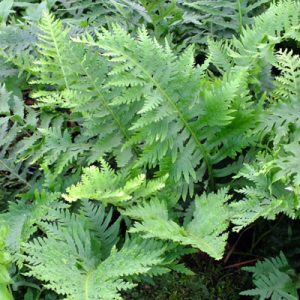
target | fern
[
  {"x": 104, "y": 186},
  {"x": 169, "y": 151},
  {"x": 98, "y": 221},
  {"x": 162, "y": 104},
  {"x": 288, "y": 83},
  {"x": 5, "y": 261},
  {"x": 80, "y": 83},
  {"x": 272, "y": 189},
  {"x": 274, "y": 180},
  {"x": 14, "y": 174},
  {"x": 254, "y": 47},
  {"x": 263, "y": 198},
  {"x": 202, "y": 232},
  {"x": 59, "y": 149},
  {"x": 277, "y": 22},
  {"x": 7, "y": 70},
  {"x": 23, "y": 217},
  {"x": 78, "y": 273},
  {"x": 174, "y": 128},
  {"x": 6, "y": 9},
  {"x": 144, "y": 95},
  {"x": 222, "y": 19},
  {"x": 53, "y": 45},
  {"x": 166, "y": 18},
  {"x": 18, "y": 46},
  {"x": 109, "y": 187},
  {"x": 89, "y": 14},
  {"x": 21, "y": 141},
  {"x": 18, "y": 39},
  {"x": 273, "y": 279}
]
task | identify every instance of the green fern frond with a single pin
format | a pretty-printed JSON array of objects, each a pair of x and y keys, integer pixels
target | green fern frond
[
  {"x": 275, "y": 24},
  {"x": 203, "y": 232},
  {"x": 109, "y": 187},
  {"x": 218, "y": 55},
  {"x": 58, "y": 148},
  {"x": 288, "y": 83},
  {"x": 80, "y": 272},
  {"x": 103, "y": 185},
  {"x": 23, "y": 217},
  {"x": 161, "y": 104},
  {"x": 254, "y": 47},
  {"x": 5, "y": 261},
  {"x": 14, "y": 127},
  {"x": 172, "y": 119},
  {"x": 18, "y": 43},
  {"x": 99, "y": 222},
  {"x": 78, "y": 77},
  {"x": 273, "y": 279},
  {"x": 53, "y": 48},
  {"x": 266, "y": 195},
  {"x": 222, "y": 19},
  {"x": 282, "y": 116}
]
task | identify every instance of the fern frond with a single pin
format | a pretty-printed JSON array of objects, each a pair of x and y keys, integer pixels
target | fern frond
[
  {"x": 281, "y": 116},
  {"x": 203, "y": 232},
  {"x": 22, "y": 219},
  {"x": 5, "y": 261},
  {"x": 53, "y": 48},
  {"x": 96, "y": 14},
  {"x": 78, "y": 77},
  {"x": 18, "y": 43},
  {"x": 80, "y": 272},
  {"x": 254, "y": 47},
  {"x": 276, "y": 23},
  {"x": 102, "y": 185},
  {"x": 218, "y": 55},
  {"x": 288, "y": 83},
  {"x": 265, "y": 196},
  {"x": 273, "y": 278},
  {"x": 14, "y": 130},
  {"x": 99, "y": 222},
  {"x": 222, "y": 19},
  {"x": 169, "y": 127},
  {"x": 109, "y": 187},
  {"x": 163, "y": 103}
]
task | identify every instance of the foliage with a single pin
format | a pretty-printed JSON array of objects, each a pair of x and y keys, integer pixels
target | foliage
[
  {"x": 273, "y": 278},
  {"x": 222, "y": 19},
  {"x": 4, "y": 266},
  {"x": 172, "y": 135},
  {"x": 274, "y": 184},
  {"x": 202, "y": 232},
  {"x": 78, "y": 258},
  {"x": 133, "y": 133},
  {"x": 16, "y": 132},
  {"x": 108, "y": 187}
]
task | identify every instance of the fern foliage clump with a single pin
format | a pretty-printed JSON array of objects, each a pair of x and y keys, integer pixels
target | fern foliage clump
[
  {"x": 17, "y": 129},
  {"x": 221, "y": 19},
  {"x": 181, "y": 130},
  {"x": 138, "y": 137},
  {"x": 273, "y": 178},
  {"x": 78, "y": 257},
  {"x": 273, "y": 277},
  {"x": 153, "y": 221}
]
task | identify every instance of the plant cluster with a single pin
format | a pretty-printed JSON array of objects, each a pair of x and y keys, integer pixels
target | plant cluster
[{"x": 136, "y": 133}]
